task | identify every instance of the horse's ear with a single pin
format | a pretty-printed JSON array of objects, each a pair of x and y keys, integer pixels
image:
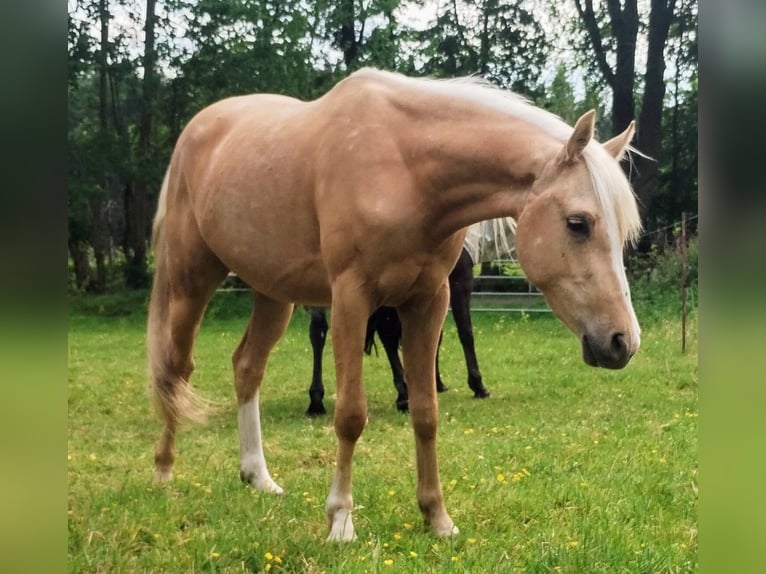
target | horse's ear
[
  {"x": 618, "y": 145},
  {"x": 582, "y": 134}
]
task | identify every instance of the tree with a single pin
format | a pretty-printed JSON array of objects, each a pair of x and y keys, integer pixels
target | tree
[
  {"x": 499, "y": 39},
  {"x": 677, "y": 177},
  {"x": 623, "y": 23},
  {"x": 620, "y": 24},
  {"x": 136, "y": 194}
]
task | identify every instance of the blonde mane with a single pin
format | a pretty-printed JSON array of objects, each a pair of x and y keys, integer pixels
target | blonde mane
[
  {"x": 612, "y": 188},
  {"x": 490, "y": 240}
]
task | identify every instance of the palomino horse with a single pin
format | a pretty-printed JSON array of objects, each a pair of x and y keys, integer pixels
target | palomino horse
[
  {"x": 484, "y": 241},
  {"x": 361, "y": 199}
]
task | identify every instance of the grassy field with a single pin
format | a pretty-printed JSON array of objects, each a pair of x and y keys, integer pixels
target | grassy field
[{"x": 564, "y": 469}]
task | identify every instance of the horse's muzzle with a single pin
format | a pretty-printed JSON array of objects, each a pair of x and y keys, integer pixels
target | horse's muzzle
[{"x": 611, "y": 354}]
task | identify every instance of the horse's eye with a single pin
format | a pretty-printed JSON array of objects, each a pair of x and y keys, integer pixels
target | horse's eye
[{"x": 578, "y": 225}]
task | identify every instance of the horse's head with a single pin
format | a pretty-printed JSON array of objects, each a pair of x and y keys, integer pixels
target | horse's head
[{"x": 570, "y": 238}]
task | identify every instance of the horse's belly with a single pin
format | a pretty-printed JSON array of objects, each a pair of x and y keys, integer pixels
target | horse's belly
[{"x": 296, "y": 281}]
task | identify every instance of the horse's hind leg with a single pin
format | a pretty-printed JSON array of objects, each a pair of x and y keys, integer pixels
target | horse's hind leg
[
  {"x": 267, "y": 324},
  {"x": 175, "y": 314},
  {"x": 318, "y": 335},
  {"x": 461, "y": 286}
]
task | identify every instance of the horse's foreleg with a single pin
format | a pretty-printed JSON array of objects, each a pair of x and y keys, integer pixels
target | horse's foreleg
[
  {"x": 422, "y": 320},
  {"x": 461, "y": 286},
  {"x": 349, "y": 312},
  {"x": 318, "y": 335},
  {"x": 267, "y": 324}
]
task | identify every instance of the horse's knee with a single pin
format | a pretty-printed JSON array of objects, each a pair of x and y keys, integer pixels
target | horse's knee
[
  {"x": 424, "y": 422},
  {"x": 350, "y": 421}
]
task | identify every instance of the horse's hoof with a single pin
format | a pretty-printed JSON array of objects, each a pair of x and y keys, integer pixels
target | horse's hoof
[
  {"x": 403, "y": 406},
  {"x": 441, "y": 388},
  {"x": 445, "y": 529},
  {"x": 163, "y": 475},
  {"x": 316, "y": 410},
  {"x": 341, "y": 527},
  {"x": 261, "y": 483},
  {"x": 481, "y": 394}
]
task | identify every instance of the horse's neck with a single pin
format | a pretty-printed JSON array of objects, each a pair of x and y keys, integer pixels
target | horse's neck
[{"x": 476, "y": 167}]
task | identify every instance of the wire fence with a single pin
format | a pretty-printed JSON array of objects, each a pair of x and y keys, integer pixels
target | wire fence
[{"x": 507, "y": 296}]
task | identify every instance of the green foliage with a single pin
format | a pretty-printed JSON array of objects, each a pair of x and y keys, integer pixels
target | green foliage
[
  {"x": 212, "y": 49},
  {"x": 677, "y": 189},
  {"x": 656, "y": 278},
  {"x": 560, "y": 99},
  {"x": 565, "y": 468},
  {"x": 118, "y": 304},
  {"x": 501, "y": 39}
]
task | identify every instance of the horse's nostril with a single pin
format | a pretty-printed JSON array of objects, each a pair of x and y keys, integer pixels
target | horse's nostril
[{"x": 619, "y": 347}]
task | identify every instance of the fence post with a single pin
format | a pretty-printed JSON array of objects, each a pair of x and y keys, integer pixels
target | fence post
[{"x": 682, "y": 247}]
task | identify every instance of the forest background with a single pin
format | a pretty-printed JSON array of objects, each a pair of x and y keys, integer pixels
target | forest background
[{"x": 139, "y": 70}]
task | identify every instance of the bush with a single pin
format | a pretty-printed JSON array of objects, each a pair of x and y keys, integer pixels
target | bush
[
  {"x": 120, "y": 304},
  {"x": 656, "y": 279}
]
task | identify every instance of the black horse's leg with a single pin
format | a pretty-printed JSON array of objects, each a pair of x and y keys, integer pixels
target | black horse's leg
[
  {"x": 389, "y": 329},
  {"x": 461, "y": 285},
  {"x": 318, "y": 334},
  {"x": 440, "y": 386}
]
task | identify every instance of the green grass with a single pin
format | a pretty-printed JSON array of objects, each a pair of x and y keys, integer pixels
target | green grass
[{"x": 564, "y": 469}]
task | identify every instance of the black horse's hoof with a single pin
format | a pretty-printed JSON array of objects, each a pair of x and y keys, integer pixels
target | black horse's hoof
[
  {"x": 480, "y": 393},
  {"x": 403, "y": 406},
  {"x": 316, "y": 410},
  {"x": 441, "y": 387}
]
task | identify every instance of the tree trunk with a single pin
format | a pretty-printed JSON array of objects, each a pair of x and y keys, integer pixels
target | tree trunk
[
  {"x": 78, "y": 251},
  {"x": 625, "y": 28},
  {"x": 137, "y": 226},
  {"x": 484, "y": 39},
  {"x": 99, "y": 242},
  {"x": 624, "y": 23},
  {"x": 347, "y": 41},
  {"x": 98, "y": 229},
  {"x": 649, "y": 136}
]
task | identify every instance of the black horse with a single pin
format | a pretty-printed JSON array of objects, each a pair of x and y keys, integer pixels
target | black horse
[{"x": 385, "y": 322}]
